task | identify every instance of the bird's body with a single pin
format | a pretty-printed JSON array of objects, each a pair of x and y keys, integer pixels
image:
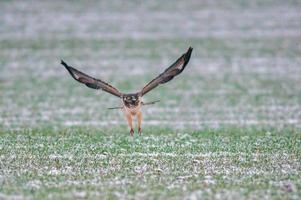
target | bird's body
[
  {"x": 132, "y": 109},
  {"x": 132, "y": 103}
]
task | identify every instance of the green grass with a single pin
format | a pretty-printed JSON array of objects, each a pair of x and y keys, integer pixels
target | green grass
[
  {"x": 206, "y": 47},
  {"x": 95, "y": 163}
]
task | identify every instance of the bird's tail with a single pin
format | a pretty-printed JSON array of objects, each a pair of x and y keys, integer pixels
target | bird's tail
[
  {"x": 120, "y": 107},
  {"x": 149, "y": 103},
  {"x": 142, "y": 103}
]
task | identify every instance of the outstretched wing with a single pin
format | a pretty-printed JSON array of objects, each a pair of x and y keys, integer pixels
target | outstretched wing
[
  {"x": 169, "y": 73},
  {"x": 90, "y": 81}
]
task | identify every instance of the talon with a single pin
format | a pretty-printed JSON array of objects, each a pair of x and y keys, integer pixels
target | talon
[
  {"x": 132, "y": 132},
  {"x": 140, "y": 131}
]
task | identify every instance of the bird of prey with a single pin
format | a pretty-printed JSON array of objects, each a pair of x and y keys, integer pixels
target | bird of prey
[{"x": 132, "y": 102}]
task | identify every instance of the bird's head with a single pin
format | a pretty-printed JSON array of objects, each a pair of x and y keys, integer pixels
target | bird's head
[{"x": 131, "y": 100}]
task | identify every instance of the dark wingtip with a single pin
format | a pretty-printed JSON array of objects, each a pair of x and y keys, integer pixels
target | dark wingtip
[
  {"x": 188, "y": 54},
  {"x": 68, "y": 68},
  {"x": 63, "y": 63}
]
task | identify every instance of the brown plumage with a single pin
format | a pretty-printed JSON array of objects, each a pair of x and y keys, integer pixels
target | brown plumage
[{"x": 132, "y": 102}]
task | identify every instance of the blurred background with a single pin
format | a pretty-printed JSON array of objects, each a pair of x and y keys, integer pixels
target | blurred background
[{"x": 244, "y": 71}]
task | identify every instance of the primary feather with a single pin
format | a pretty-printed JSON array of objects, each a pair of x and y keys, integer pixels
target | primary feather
[
  {"x": 175, "y": 69},
  {"x": 90, "y": 81}
]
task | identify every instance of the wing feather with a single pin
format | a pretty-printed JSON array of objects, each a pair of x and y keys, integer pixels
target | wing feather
[
  {"x": 175, "y": 69},
  {"x": 90, "y": 81}
]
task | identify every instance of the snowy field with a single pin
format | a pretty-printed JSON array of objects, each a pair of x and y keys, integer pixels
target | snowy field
[{"x": 228, "y": 127}]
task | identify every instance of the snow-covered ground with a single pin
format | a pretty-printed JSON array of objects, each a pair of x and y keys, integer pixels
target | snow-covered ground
[{"x": 245, "y": 68}]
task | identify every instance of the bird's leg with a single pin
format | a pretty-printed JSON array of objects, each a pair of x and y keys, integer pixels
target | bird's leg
[
  {"x": 139, "y": 117},
  {"x": 130, "y": 120}
]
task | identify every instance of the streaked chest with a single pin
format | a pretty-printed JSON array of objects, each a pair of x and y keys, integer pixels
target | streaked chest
[{"x": 132, "y": 110}]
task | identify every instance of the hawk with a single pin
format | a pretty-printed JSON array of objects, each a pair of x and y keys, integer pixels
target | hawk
[{"x": 132, "y": 102}]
